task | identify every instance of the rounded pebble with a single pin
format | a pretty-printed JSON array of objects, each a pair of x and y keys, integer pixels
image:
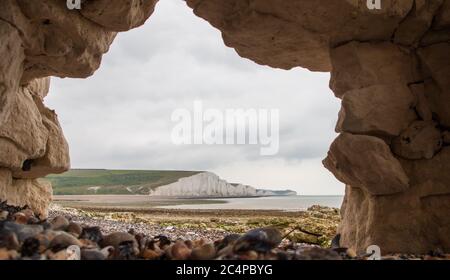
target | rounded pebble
[
  {"x": 59, "y": 223},
  {"x": 204, "y": 252}
]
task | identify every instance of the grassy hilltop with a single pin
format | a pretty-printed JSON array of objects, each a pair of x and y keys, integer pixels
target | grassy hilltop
[{"x": 102, "y": 181}]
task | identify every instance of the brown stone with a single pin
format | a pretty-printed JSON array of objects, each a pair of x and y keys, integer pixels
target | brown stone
[
  {"x": 415, "y": 221},
  {"x": 436, "y": 59},
  {"x": 438, "y": 100},
  {"x": 59, "y": 223},
  {"x": 436, "y": 62},
  {"x": 422, "y": 106},
  {"x": 116, "y": 238},
  {"x": 443, "y": 17},
  {"x": 74, "y": 229},
  {"x": 204, "y": 252},
  {"x": 421, "y": 140},
  {"x": 22, "y": 134},
  {"x": 32, "y": 193},
  {"x": 417, "y": 23},
  {"x": 56, "y": 158},
  {"x": 178, "y": 251},
  {"x": 287, "y": 34},
  {"x": 64, "y": 240},
  {"x": 118, "y": 15},
  {"x": 446, "y": 137},
  {"x": 359, "y": 65},
  {"x": 55, "y": 37},
  {"x": 377, "y": 110},
  {"x": 366, "y": 162}
]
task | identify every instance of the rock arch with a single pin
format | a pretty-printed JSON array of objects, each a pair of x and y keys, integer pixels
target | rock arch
[{"x": 389, "y": 66}]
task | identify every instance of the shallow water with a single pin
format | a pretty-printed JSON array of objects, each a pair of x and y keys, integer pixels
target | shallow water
[{"x": 286, "y": 203}]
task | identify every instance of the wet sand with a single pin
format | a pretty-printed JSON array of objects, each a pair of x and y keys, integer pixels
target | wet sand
[{"x": 125, "y": 201}]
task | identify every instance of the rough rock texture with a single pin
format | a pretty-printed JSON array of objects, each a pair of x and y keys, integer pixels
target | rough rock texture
[
  {"x": 287, "y": 34},
  {"x": 359, "y": 65},
  {"x": 389, "y": 66},
  {"x": 39, "y": 87},
  {"x": 32, "y": 144},
  {"x": 369, "y": 110},
  {"x": 436, "y": 65},
  {"x": 41, "y": 39},
  {"x": 36, "y": 194},
  {"x": 410, "y": 118},
  {"x": 420, "y": 215},
  {"x": 421, "y": 140},
  {"x": 368, "y": 163},
  {"x": 119, "y": 15},
  {"x": 22, "y": 134}
]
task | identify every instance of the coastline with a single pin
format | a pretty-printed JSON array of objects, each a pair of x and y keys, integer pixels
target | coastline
[{"x": 282, "y": 203}]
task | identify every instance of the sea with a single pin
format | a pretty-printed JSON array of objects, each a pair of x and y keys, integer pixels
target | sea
[{"x": 286, "y": 203}]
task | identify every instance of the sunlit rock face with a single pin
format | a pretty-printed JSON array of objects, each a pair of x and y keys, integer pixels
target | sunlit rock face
[
  {"x": 207, "y": 184},
  {"x": 390, "y": 67}
]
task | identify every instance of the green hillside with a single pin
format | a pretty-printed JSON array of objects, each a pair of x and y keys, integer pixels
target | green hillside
[{"x": 102, "y": 181}]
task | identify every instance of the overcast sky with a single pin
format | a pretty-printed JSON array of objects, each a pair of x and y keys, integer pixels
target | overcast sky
[{"x": 121, "y": 117}]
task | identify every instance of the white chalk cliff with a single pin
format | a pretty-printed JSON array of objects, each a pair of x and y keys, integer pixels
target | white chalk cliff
[{"x": 207, "y": 184}]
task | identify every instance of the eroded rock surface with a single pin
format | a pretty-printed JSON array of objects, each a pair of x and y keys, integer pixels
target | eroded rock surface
[
  {"x": 390, "y": 67},
  {"x": 287, "y": 34},
  {"x": 41, "y": 39},
  {"x": 368, "y": 163},
  {"x": 118, "y": 15},
  {"x": 36, "y": 194}
]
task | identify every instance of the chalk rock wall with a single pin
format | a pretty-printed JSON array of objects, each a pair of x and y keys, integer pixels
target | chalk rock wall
[
  {"x": 391, "y": 152},
  {"x": 391, "y": 68},
  {"x": 32, "y": 145},
  {"x": 39, "y": 39},
  {"x": 207, "y": 184}
]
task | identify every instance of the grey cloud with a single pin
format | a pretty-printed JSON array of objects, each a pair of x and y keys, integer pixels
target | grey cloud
[{"x": 120, "y": 117}]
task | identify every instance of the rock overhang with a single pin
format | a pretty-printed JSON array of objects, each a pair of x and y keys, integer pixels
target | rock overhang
[
  {"x": 299, "y": 33},
  {"x": 389, "y": 65}
]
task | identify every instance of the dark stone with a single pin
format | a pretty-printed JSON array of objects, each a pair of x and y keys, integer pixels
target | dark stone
[
  {"x": 163, "y": 240},
  {"x": 27, "y": 164},
  {"x": 11, "y": 209},
  {"x": 259, "y": 240},
  {"x": 9, "y": 240},
  {"x": 30, "y": 247},
  {"x": 336, "y": 241},
  {"x": 62, "y": 241},
  {"x": 22, "y": 231},
  {"x": 227, "y": 240},
  {"x": 126, "y": 251},
  {"x": 92, "y": 233}
]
